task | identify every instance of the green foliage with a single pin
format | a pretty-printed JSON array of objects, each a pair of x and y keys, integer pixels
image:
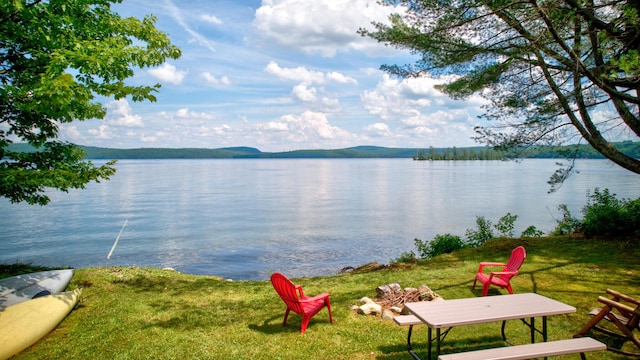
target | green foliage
[
  {"x": 405, "y": 257},
  {"x": 59, "y": 165},
  {"x": 506, "y": 224},
  {"x": 473, "y": 153},
  {"x": 603, "y": 215},
  {"x": 423, "y": 247},
  {"x": 532, "y": 231},
  {"x": 441, "y": 244},
  {"x": 606, "y": 215},
  {"x": 482, "y": 233},
  {"x": 57, "y": 57},
  {"x": 512, "y": 54},
  {"x": 568, "y": 224}
]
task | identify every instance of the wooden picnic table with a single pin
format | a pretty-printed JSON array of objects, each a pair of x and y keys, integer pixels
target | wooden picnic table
[{"x": 447, "y": 314}]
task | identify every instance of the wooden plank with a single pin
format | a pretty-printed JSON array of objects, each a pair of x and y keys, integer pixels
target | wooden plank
[{"x": 531, "y": 351}]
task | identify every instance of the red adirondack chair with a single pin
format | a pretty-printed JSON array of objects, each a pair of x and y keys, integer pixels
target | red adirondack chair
[
  {"x": 296, "y": 301},
  {"x": 501, "y": 278}
]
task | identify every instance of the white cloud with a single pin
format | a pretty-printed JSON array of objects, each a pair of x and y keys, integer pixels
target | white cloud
[
  {"x": 103, "y": 132},
  {"x": 413, "y": 108},
  {"x": 72, "y": 133},
  {"x": 397, "y": 99},
  {"x": 331, "y": 105},
  {"x": 299, "y": 74},
  {"x": 378, "y": 130},
  {"x": 211, "y": 19},
  {"x": 303, "y": 93},
  {"x": 309, "y": 130},
  {"x": 169, "y": 73},
  {"x": 340, "y": 78},
  {"x": 119, "y": 114},
  {"x": 211, "y": 79},
  {"x": 273, "y": 126},
  {"x": 185, "y": 113},
  {"x": 182, "y": 113},
  {"x": 312, "y": 96},
  {"x": 320, "y": 27},
  {"x": 148, "y": 139}
]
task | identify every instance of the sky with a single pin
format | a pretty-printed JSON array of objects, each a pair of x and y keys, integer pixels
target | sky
[{"x": 277, "y": 75}]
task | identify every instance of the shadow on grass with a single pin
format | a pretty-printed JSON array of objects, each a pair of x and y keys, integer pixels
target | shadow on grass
[
  {"x": 273, "y": 325},
  {"x": 400, "y": 351},
  {"x": 616, "y": 341}
]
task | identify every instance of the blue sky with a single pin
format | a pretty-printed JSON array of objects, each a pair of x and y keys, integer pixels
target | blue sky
[{"x": 277, "y": 75}]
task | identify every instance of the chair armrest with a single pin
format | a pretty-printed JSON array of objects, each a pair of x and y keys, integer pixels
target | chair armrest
[
  {"x": 315, "y": 298},
  {"x": 624, "y": 297},
  {"x": 504, "y": 273},
  {"x": 487, "y": 263},
  {"x": 498, "y": 273},
  {"x": 624, "y": 309},
  {"x": 299, "y": 289}
]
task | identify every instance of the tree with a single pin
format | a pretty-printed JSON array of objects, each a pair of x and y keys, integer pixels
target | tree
[
  {"x": 57, "y": 58},
  {"x": 553, "y": 71}
]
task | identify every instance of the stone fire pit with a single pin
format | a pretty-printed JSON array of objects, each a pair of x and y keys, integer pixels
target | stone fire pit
[{"x": 391, "y": 298}]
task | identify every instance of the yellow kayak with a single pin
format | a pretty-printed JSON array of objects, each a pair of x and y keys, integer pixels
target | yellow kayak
[{"x": 23, "y": 324}]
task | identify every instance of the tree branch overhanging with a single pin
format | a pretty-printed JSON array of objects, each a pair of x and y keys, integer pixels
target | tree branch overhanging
[{"x": 560, "y": 59}]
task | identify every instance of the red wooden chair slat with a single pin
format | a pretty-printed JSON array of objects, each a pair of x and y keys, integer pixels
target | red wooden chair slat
[
  {"x": 500, "y": 278},
  {"x": 298, "y": 302}
]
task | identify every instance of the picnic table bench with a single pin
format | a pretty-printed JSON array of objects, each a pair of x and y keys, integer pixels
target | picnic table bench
[
  {"x": 519, "y": 352},
  {"x": 452, "y": 313},
  {"x": 531, "y": 351}
]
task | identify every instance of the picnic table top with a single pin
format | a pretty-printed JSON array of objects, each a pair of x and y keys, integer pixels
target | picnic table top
[{"x": 477, "y": 310}]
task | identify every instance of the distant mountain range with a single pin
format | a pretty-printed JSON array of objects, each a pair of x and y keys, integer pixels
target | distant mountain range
[{"x": 466, "y": 153}]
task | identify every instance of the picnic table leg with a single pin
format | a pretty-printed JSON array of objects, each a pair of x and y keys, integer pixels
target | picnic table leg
[
  {"x": 533, "y": 329},
  {"x": 429, "y": 342},
  {"x": 504, "y": 337},
  {"x": 544, "y": 335},
  {"x": 409, "y": 347},
  {"x": 438, "y": 342}
]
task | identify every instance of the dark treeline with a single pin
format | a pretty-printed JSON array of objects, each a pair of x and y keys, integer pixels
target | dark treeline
[
  {"x": 467, "y": 153},
  {"x": 460, "y": 154},
  {"x": 539, "y": 152}
]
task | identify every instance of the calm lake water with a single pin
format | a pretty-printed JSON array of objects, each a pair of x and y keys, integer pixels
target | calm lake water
[{"x": 243, "y": 219}]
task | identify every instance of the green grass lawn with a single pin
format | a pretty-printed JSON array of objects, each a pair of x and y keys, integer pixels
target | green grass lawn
[{"x": 143, "y": 313}]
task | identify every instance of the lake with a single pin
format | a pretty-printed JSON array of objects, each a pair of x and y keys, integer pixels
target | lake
[{"x": 244, "y": 219}]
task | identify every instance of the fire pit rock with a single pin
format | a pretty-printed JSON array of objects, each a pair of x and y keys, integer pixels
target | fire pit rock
[{"x": 391, "y": 298}]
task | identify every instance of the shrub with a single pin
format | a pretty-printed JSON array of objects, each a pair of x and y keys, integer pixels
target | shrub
[
  {"x": 568, "y": 224},
  {"x": 532, "y": 231},
  {"x": 632, "y": 214},
  {"x": 405, "y": 257},
  {"x": 506, "y": 224},
  {"x": 441, "y": 244},
  {"x": 607, "y": 215},
  {"x": 479, "y": 236}
]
